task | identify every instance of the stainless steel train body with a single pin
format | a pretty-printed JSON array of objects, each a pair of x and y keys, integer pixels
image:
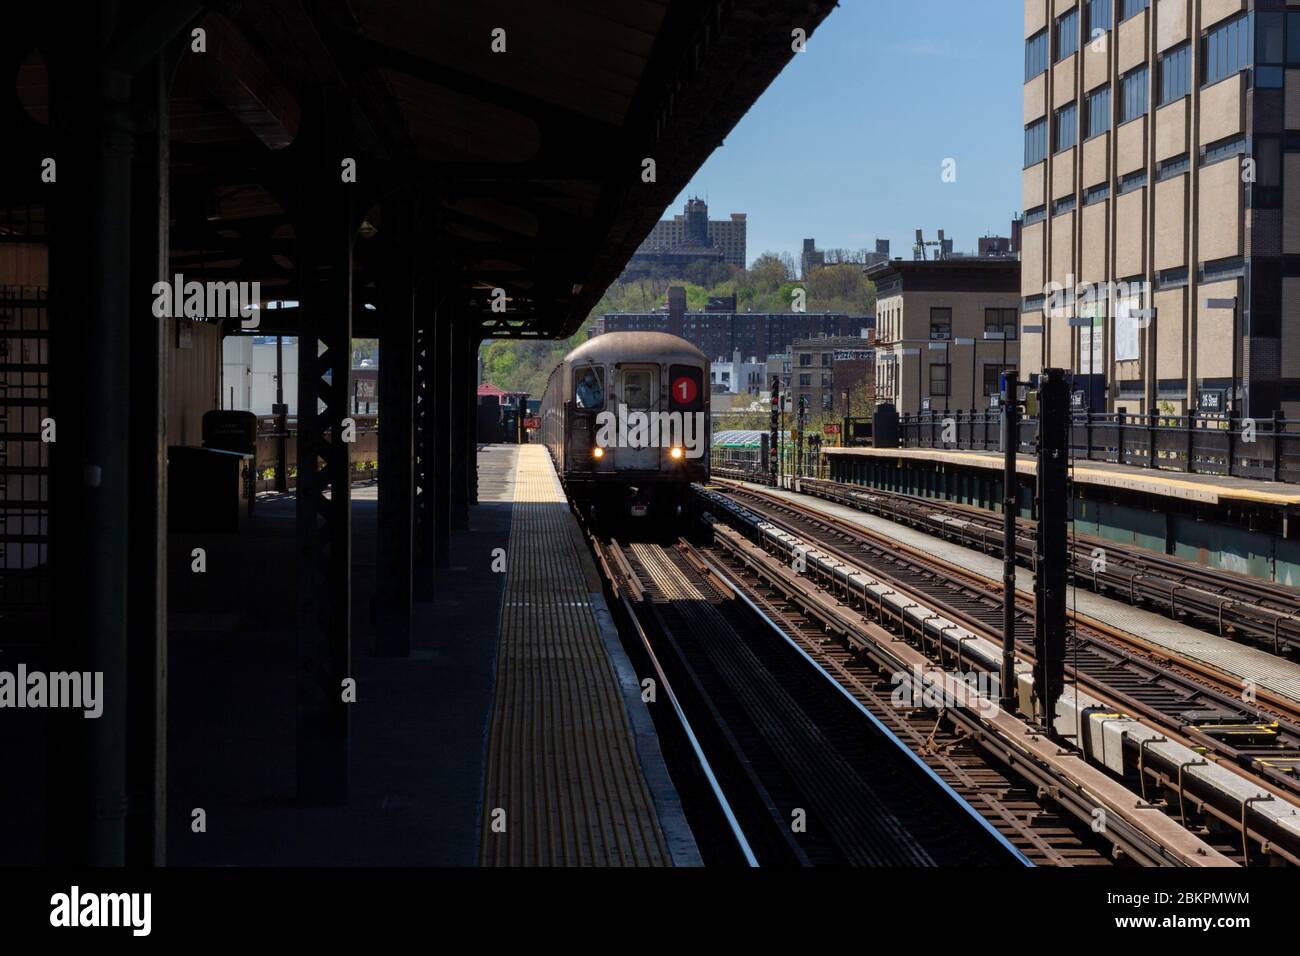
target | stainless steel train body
[{"x": 625, "y": 417}]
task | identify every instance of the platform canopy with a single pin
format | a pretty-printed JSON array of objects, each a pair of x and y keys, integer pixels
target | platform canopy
[{"x": 534, "y": 144}]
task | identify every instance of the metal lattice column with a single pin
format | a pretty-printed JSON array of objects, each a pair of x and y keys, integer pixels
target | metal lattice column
[
  {"x": 460, "y": 434},
  {"x": 394, "y": 556},
  {"x": 424, "y": 477},
  {"x": 324, "y": 488}
]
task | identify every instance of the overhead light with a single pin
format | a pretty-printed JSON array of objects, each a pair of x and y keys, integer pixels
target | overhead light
[{"x": 598, "y": 452}]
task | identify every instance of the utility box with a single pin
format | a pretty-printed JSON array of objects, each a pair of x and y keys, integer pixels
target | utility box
[
  {"x": 230, "y": 431},
  {"x": 884, "y": 427}
]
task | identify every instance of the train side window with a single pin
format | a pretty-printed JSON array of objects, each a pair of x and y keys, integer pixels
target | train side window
[
  {"x": 589, "y": 387},
  {"x": 637, "y": 388}
]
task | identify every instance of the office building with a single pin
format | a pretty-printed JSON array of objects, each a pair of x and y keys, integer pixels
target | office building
[
  {"x": 945, "y": 330},
  {"x": 1161, "y": 155}
]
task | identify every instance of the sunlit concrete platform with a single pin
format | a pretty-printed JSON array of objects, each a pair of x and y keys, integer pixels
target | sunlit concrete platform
[
  {"x": 1205, "y": 489},
  {"x": 1266, "y": 670},
  {"x": 574, "y": 775},
  {"x": 515, "y": 695}
]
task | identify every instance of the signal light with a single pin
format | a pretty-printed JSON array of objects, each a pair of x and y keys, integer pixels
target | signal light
[
  {"x": 676, "y": 454},
  {"x": 598, "y": 452}
]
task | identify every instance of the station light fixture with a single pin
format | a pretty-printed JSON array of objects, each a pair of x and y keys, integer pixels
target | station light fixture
[
  {"x": 598, "y": 453},
  {"x": 676, "y": 454}
]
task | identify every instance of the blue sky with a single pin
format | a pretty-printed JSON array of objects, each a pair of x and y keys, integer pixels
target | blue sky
[{"x": 847, "y": 144}]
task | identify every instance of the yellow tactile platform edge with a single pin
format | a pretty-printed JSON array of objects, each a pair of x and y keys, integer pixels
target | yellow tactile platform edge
[{"x": 561, "y": 760}]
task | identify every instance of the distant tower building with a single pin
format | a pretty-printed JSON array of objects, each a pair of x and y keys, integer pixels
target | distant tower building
[
  {"x": 811, "y": 259},
  {"x": 691, "y": 237},
  {"x": 696, "y": 231}
]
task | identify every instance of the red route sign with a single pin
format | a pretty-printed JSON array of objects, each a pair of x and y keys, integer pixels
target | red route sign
[
  {"x": 685, "y": 390},
  {"x": 831, "y": 430},
  {"x": 532, "y": 423}
]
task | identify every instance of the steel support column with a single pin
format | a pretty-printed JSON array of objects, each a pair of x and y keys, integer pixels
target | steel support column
[
  {"x": 395, "y": 547},
  {"x": 147, "y": 599},
  {"x": 90, "y": 489},
  {"x": 325, "y": 228},
  {"x": 460, "y": 434},
  {"x": 441, "y": 413},
  {"x": 425, "y": 400},
  {"x": 472, "y": 342}
]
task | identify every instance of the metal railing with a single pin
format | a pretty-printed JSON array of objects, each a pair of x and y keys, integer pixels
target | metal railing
[{"x": 1260, "y": 448}]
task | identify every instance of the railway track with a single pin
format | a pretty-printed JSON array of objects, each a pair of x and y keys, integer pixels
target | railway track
[
  {"x": 807, "y": 775},
  {"x": 1204, "y": 704},
  {"x": 1199, "y": 708},
  {"x": 1018, "y": 808},
  {"x": 1231, "y": 605}
]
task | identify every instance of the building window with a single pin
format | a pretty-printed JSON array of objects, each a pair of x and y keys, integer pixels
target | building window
[
  {"x": 993, "y": 379},
  {"x": 805, "y": 359},
  {"x": 1133, "y": 95},
  {"x": 941, "y": 323},
  {"x": 826, "y": 380},
  {"x": 1035, "y": 55},
  {"x": 1270, "y": 49},
  {"x": 1001, "y": 320},
  {"x": 1098, "y": 113},
  {"x": 1169, "y": 168},
  {"x": 1225, "y": 51},
  {"x": 1065, "y": 127},
  {"x": 939, "y": 380},
  {"x": 826, "y": 358},
  {"x": 1098, "y": 16},
  {"x": 1131, "y": 8},
  {"x": 1266, "y": 191},
  {"x": 1176, "y": 74},
  {"x": 827, "y": 399},
  {"x": 1096, "y": 194},
  {"x": 1067, "y": 34},
  {"x": 1062, "y": 206},
  {"x": 1223, "y": 149},
  {"x": 1037, "y": 214},
  {"x": 805, "y": 380},
  {"x": 1132, "y": 181},
  {"x": 1035, "y": 142}
]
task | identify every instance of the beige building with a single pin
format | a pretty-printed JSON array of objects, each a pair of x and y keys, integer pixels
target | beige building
[
  {"x": 826, "y": 368},
  {"x": 1156, "y": 251},
  {"x": 944, "y": 331}
]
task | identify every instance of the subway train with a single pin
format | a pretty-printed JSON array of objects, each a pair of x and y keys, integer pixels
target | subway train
[{"x": 625, "y": 417}]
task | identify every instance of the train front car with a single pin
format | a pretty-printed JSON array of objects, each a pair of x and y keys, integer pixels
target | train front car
[{"x": 626, "y": 419}]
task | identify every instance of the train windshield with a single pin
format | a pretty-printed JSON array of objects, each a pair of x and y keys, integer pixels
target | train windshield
[
  {"x": 589, "y": 387},
  {"x": 638, "y": 388}
]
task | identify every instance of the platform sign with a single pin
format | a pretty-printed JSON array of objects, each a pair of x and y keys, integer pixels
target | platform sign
[
  {"x": 532, "y": 423},
  {"x": 685, "y": 388},
  {"x": 830, "y": 429},
  {"x": 1211, "y": 401}
]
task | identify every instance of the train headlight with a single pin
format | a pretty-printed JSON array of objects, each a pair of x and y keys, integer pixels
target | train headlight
[
  {"x": 598, "y": 453},
  {"x": 676, "y": 454}
]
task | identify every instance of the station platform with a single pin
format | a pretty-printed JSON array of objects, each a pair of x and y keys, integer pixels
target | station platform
[
  {"x": 515, "y": 695},
  {"x": 1235, "y": 524},
  {"x": 1205, "y": 489},
  {"x": 1266, "y": 670},
  {"x": 574, "y": 774}
]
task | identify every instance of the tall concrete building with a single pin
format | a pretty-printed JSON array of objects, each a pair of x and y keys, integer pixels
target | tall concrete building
[
  {"x": 1160, "y": 160},
  {"x": 692, "y": 235}
]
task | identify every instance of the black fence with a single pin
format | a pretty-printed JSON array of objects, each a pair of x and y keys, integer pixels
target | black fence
[{"x": 1260, "y": 448}]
